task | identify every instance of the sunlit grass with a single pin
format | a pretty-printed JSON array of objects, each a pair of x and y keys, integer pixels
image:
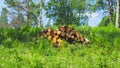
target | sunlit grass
[{"x": 102, "y": 52}]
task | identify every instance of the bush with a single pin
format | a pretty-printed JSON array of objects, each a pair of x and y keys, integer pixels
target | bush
[{"x": 18, "y": 49}]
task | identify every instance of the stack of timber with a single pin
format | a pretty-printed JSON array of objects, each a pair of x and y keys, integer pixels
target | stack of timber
[{"x": 63, "y": 33}]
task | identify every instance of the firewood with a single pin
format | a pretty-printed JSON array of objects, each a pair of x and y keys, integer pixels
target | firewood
[
  {"x": 77, "y": 35},
  {"x": 61, "y": 28},
  {"x": 49, "y": 37},
  {"x": 72, "y": 37},
  {"x": 56, "y": 36},
  {"x": 49, "y": 29},
  {"x": 71, "y": 32},
  {"x": 48, "y": 33},
  {"x": 58, "y": 32},
  {"x": 81, "y": 37},
  {"x": 54, "y": 40},
  {"x": 68, "y": 28},
  {"x": 62, "y": 34},
  {"x": 55, "y": 31},
  {"x": 59, "y": 40},
  {"x": 68, "y": 35},
  {"x": 86, "y": 41},
  {"x": 52, "y": 33},
  {"x": 70, "y": 40}
]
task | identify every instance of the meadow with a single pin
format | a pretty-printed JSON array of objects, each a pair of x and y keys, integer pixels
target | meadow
[{"x": 19, "y": 50}]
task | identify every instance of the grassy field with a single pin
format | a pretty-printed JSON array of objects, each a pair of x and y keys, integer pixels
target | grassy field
[{"x": 102, "y": 52}]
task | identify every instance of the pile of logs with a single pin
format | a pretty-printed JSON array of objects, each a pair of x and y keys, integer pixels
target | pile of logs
[{"x": 63, "y": 33}]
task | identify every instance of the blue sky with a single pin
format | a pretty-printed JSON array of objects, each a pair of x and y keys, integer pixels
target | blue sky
[
  {"x": 1, "y": 5},
  {"x": 94, "y": 18}
]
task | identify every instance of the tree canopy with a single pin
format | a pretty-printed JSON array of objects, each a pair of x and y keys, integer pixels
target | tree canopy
[{"x": 61, "y": 12}]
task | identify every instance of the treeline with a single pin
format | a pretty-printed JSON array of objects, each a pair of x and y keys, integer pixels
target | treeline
[{"x": 57, "y": 12}]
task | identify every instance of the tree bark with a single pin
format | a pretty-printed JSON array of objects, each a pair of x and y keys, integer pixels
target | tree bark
[
  {"x": 109, "y": 12},
  {"x": 28, "y": 9},
  {"x": 117, "y": 15},
  {"x": 40, "y": 15}
]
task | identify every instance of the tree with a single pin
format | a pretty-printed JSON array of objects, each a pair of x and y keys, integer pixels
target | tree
[
  {"x": 80, "y": 8},
  {"x": 107, "y": 6},
  {"x": 3, "y": 18},
  {"x": 65, "y": 12},
  {"x": 15, "y": 12},
  {"x": 24, "y": 12},
  {"x": 117, "y": 14},
  {"x": 40, "y": 14}
]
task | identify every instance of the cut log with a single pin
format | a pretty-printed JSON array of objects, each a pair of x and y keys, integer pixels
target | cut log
[
  {"x": 77, "y": 35},
  {"x": 80, "y": 39},
  {"x": 63, "y": 34},
  {"x": 54, "y": 40},
  {"x": 72, "y": 37},
  {"x": 59, "y": 40},
  {"x": 68, "y": 28},
  {"x": 86, "y": 41},
  {"x": 68, "y": 35},
  {"x": 48, "y": 33},
  {"x": 73, "y": 32},
  {"x": 49, "y": 29},
  {"x": 58, "y": 32},
  {"x": 61, "y": 28},
  {"x": 49, "y": 37},
  {"x": 55, "y": 31},
  {"x": 56, "y": 36}
]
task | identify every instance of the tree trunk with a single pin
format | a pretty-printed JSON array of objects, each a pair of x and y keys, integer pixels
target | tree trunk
[
  {"x": 18, "y": 13},
  {"x": 28, "y": 15},
  {"x": 109, "y": 12},
  {"x": 117, "y": 15},
  {"x": 40, "y": 15}
]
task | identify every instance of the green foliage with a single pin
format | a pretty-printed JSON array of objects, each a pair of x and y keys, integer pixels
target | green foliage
[
  {"x": 22, "y": 11},
  {"x": 65, "y": 12},
  {"x": 3, "y": 18},
  {"x": 105, "y": 21},
  {"x": 18, "y": 49}
]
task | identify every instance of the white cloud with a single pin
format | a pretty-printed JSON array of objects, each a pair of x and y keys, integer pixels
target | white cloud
[{"x": 93, "y": 15}]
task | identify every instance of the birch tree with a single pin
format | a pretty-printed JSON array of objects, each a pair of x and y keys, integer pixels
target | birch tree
[{"x": 117, "y": 14}]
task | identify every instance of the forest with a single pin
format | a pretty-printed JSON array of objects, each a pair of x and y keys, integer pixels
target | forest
[{"x": 58, "y": 34}]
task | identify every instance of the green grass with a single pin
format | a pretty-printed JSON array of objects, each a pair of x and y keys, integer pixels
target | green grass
[{"x": 102, "y": 52}]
